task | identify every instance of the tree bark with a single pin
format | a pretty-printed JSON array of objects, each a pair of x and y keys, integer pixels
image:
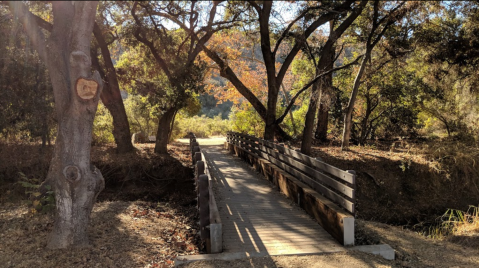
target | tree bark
[
  {"x": 309, "y": 120},
  {"x": 349, "y": 110},
  {"x": 75, "y": 180},
  {"x": 111, "y": 97},
  {"x": 164, "y": 129},
  {"x": 322, "y": 125},
  {"x": 325, "y": 100}
]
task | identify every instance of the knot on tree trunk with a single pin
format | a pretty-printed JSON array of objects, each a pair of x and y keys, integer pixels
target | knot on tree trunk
[
  {"x": 72, "y": 173},
  {"x": 79, "y": 59}
]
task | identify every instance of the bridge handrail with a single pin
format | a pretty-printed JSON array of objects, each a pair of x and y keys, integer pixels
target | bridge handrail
[
  {"x": 210, "y": 221},
  {"x": 337, "y": 185}
]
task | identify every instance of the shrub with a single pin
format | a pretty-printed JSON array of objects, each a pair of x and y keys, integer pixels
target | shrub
[
  {"x": 202, "y": 126},
  {"x": 102, "y": 126},
  {"x": 247, "y": 121}
]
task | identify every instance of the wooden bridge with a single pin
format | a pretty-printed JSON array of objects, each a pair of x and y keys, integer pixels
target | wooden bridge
[{"x": 254, "y": 215}]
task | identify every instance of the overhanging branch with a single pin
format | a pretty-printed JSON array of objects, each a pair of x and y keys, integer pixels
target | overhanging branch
[{"x": 290, "y": 105}]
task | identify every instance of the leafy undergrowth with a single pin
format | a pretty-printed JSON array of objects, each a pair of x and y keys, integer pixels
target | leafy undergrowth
[{"x": 145, "y": 217}]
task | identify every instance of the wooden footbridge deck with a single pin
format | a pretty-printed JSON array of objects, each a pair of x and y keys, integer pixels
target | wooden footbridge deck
[{"x": 257, "y": 218}]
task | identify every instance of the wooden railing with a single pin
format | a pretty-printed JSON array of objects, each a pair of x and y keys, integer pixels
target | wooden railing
[
  {"x": 330, "y": 182},
  {"x": 210, "y": 222},
  {"x": 336, "y": 184}
]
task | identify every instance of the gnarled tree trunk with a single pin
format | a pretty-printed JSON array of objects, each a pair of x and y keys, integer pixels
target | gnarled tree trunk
[
  {"x": 111, "y": 97},
  {"x": 75, "y": 180},
  {"x": 164, "y": 129}
]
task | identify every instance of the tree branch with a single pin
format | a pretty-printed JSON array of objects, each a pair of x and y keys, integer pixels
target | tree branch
[
  {"x": 290, "y": 105},
  {"x": 297, "y": 46},
  {"x": 161, "y": 62},
  {"x": 286, "y": 31}
]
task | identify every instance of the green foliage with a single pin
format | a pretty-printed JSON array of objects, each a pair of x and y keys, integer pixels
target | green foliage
[
  {"x": 446, "y": 60},
  {"x": 299, "y": 115},
  {"x": 41, "y": 198},
  {"x": 193, "y": 106},
  {"x": 103, "y": 126},
  {"x": 26, "y": 99},
  {"x": 142, "y": 114},
  {"x": 202, "y": 126},
  {"x": 247, "y": 120}
]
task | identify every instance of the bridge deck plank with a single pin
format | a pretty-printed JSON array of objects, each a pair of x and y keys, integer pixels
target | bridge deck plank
[{"x": 256, "y": 217}]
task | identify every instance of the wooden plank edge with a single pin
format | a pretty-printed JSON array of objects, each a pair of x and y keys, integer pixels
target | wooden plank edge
[{"x": 216, "y": 227}]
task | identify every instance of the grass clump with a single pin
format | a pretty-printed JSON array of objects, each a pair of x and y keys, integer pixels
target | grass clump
[{"x": 456, "y": 223}]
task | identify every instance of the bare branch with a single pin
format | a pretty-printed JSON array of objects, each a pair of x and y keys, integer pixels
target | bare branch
[
  {"x": 286, "y": 31},
  {"x": 290, "y": 105}
]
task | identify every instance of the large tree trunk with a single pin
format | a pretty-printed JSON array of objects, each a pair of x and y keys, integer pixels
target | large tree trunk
[
  {"x": 322, "y": 124},
  {"x": 75, "y": 180},
  {"x": 270, "y": 122},
  {"x": 309, "y": 120},
  {"x": 164, "y": 129},
  {"x": 112, "y": 100},
  {"x": 352, "y": 100},
  {"x": 325, "y": 62},
  {"x": 111, "y": 97},
  {"x": 325, "y": 100}
]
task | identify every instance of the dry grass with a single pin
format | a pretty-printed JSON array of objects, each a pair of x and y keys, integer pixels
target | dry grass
[
  {"x": 458, "y": 227},
  {"x": 466, "y": 223}
]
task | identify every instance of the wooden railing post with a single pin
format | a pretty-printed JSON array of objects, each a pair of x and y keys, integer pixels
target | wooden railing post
[
  {"x": 199, "y": 170},
  {"x": 197, "y": 154},
  {"x": 203, "y": 204}
]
